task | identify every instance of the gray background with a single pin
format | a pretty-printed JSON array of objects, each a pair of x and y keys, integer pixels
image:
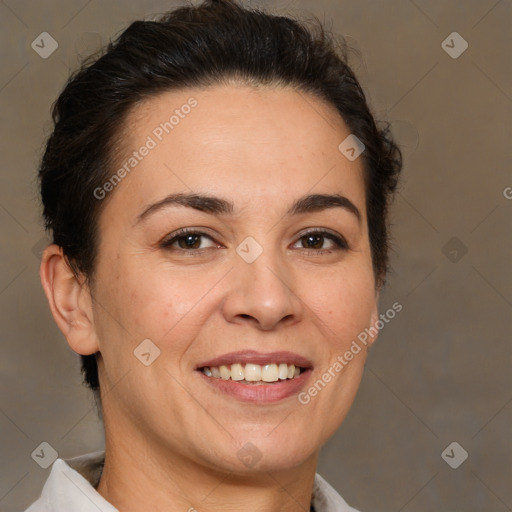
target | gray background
[{"x": 440, "y": 371}]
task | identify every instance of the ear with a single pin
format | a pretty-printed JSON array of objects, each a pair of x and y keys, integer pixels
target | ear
[
  {"x": 374, "y": 317},
  {"x": 70, "y": 301}
]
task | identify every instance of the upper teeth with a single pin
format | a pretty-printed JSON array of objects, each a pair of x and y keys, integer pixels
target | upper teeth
[{"x": 253, "y": 372}]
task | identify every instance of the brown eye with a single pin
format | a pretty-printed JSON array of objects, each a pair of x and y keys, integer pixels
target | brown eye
[
  {"x": 317, "y": 240},
  {"x": 188, "y": 241},
  {"x": 312, "y": 241}
]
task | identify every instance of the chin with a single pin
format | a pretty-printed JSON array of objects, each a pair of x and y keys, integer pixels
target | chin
[{"x": 270, "y": 453}]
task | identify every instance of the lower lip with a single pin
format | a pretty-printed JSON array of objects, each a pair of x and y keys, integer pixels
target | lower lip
[{"x": 259, "y": 393}]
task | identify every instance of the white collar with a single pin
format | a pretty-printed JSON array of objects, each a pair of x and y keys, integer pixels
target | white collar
[{"x": 71, "y": 486}]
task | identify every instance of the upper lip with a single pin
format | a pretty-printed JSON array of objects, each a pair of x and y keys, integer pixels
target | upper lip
[{"x": 253, "y": 356}]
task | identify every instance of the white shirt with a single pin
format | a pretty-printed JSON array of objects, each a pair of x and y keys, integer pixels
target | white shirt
[{"x": 71, "y": 488}]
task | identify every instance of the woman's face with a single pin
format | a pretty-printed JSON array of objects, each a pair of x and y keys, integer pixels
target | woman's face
[{"x": 264, "y": 276}]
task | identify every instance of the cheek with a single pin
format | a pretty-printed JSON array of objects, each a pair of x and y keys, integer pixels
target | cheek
[
  {"x": 170, "y": 305},
  {"x": 342, "y": 301},
  {"x": 161, "y": 303}
]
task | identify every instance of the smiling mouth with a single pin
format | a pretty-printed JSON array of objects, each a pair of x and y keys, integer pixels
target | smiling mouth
[{"x": 251, "y": 373}]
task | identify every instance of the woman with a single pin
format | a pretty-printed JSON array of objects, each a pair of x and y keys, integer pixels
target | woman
[{"x": 217, "y": 190}]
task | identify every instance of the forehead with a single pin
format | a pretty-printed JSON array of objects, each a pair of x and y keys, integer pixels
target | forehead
[{"x": 250, "y": 143}]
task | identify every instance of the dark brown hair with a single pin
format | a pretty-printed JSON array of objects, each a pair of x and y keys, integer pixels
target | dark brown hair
[{"x": 190, "y": 46}]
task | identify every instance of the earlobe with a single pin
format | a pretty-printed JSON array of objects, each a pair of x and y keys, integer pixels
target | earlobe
[{"x": 70, "y": 301}]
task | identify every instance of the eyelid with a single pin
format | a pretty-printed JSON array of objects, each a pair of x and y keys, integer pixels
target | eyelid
[
  {"x": 339, "y": 240},
  {"x": 168, "y": 240}
]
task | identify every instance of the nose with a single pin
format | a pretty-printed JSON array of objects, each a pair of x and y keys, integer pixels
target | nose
[{"x": 262, "y": 293}]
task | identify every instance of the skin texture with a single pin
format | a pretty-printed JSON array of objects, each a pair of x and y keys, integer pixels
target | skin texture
[{"x": 172, "y": 439}]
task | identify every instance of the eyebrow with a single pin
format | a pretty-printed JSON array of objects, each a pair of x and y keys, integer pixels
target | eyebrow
[{"x": 217, "y": 206}]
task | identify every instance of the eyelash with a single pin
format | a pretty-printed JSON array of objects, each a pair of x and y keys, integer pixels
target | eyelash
[{"x": 339, "y": 241}]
